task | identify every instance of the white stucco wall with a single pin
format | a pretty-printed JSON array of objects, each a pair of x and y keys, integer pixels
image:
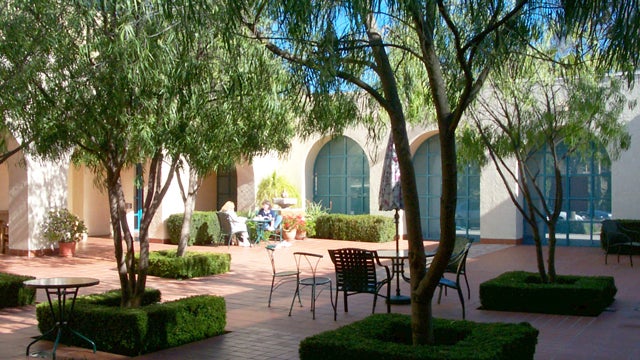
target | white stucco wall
[{"x": 625, "y": 172}]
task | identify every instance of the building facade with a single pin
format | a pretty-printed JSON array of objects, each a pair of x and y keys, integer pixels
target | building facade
[{"x": 343, "y": 174}]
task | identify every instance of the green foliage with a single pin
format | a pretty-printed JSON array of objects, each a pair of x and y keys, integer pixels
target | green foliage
[
  {"x": 13, "y": 291},
  {"x": 311, "y": 214},
  {"x": 62, "y": 226},
  {"x": 205, "y": 228},
  {"x": 388, "y": 336},
  {"x": 273, "y": 186},
  {"x": 522, "y": 291},
  {"x": 366, "y": 228},
  {"x": 166, "y": 264},
  {"x": 132, "y": 332}
]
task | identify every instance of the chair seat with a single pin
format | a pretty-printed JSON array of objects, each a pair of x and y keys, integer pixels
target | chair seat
[
  {"x": 448, "y": 283},
  {"x": 318, "y": 281}
]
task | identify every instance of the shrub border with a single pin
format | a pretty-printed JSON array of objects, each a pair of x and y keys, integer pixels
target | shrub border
[
  {"x": 571, "y": 295},
  {"x": 388, "y": 336}
]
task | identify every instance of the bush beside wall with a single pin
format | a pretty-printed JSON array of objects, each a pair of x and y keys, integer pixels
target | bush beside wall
[
  {"x": 13, "y": 293},
  {"x": 205, "y": 228},
  {"x": 572, "y": 295},
  {"x": 135, "y": 331},
  {"x": 388, "y": 336},
  {"x": 365, "y": 228},
  {"x": 165, "y": 264}
]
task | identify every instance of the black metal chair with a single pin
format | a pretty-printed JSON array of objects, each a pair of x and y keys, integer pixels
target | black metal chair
[
  {"x": 225, "y": 228},
  {"x": 312, "y": 260},
  {"x": 618, "y": 237},
  {"x": 452, "y": 268},
  {"x": 356, "y": 273},
  {"x": 280, "y": 277},
  {"x": 459, "y": 261}
]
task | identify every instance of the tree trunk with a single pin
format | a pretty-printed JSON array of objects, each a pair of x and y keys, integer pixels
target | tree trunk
[{"x": 189, "y": 198}]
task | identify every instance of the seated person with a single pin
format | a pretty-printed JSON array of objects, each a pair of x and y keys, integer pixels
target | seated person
[
  {"x": 238, "y": 223},
  {"x": 266, "y": 213}
]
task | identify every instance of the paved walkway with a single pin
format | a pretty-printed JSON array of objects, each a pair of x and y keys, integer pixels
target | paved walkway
[{"x": 259, "y": 332}]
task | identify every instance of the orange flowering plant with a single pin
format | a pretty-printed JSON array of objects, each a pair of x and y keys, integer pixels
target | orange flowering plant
[{"x": 289, "y": 223}]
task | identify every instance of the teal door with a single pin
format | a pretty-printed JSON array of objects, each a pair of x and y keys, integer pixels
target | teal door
[{"x": 341, "y": 177}]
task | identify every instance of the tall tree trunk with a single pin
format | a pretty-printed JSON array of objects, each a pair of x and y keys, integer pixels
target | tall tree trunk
[
  {"x": 189, "y": 199},
  {"x": 421, "y": 319},
  {"x": 125, "y": 255}
]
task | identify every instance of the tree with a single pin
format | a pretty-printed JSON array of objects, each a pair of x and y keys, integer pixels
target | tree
[
  {"x": 338, "y": 47},
  {"x": 404, "y": 55},
  {"x": 549, "y": 104},
  {"x": 128, "y": 82}
]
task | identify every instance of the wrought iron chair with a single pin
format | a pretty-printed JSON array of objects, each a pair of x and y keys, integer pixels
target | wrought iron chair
[
  {"x": 356, "y": 273},
  {"x": 458, "y": 261},
  {"x": 280, "y": 277},
  {"x": 312, "y": 261},
  {"x": 452, "y": 268},
  {"x": 618, "y": 237},
  {"x": 225, "y": 228}
]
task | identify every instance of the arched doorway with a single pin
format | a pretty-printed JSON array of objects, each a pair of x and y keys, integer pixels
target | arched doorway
[
  {"x": 341, "y": 177},
  {"x": 586, "y": 189},
  {"x": 428, "y": 170}
]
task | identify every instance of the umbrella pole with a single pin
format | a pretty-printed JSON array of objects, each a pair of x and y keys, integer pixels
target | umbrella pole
[{"x": 398, "y": 268}]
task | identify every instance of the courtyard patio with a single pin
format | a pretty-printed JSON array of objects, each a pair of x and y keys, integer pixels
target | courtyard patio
[{"x": 256, "y": 331}]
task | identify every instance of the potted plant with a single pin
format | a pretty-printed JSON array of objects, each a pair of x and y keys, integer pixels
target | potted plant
[
  {"x": 65, "y": 229},
  {"x": 289, "y": 227},
  {"x": 301, "y": 228}
]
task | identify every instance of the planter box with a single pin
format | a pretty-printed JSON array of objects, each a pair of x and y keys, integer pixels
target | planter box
[
  {"x": 136, "y": 331},
  {"x": 388, "y": 336},
  {"x": 522, "y": 291}
]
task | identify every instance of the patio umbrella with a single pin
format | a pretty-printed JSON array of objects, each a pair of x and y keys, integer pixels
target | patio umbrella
[{"x": 390, "y": 198}]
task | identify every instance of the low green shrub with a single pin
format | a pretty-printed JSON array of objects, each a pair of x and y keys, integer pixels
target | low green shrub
[
  {"x": 571, "y": 295},
  {"x": 205, "y": 228},
  {"x": 165, "y": 264},
  {"x": 388, "y": 336},
  {"x": 13, "y": 291},
  {"x": 134, "y": 331},
  {"x": 365, "y": 228}
]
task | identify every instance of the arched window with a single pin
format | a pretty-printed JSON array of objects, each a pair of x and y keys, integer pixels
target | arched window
[
  {"x": 586, "y": 190},
  {"x": 427, "y": 165},
  {"x": 341, "y": 177}
]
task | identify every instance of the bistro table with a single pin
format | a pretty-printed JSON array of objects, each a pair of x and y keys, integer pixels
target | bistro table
[
  {"x": 261, "y": 224},
  {"x": 397, "y": 270},
  {"x": 61, "y": 287}
]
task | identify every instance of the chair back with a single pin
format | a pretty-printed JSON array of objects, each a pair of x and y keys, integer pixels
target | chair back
[
  {"x": 355, "y": 269},
  {"x": 462, "y": 245},
  {"x": 225, "y": 222},
  {"x": 271, "y": 249},
  {"x": 458, "y": 261},
  {"x": 305, "y": 260},
  {"x": 609, "y": 226}
]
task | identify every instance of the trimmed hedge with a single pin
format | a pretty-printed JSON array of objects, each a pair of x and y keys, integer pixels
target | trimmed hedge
[
  {"x": 165, "y": 264},
  {"x": 205, "y": 228},
  {"x": 633, "y": 225},
  {"x": 388, "y": 336},
  {"x": 522, "y": 291},
  {"x": 13, "y": 293},
  {"x": 365, "y": 228},
  {"x": 135, "y": 331}
]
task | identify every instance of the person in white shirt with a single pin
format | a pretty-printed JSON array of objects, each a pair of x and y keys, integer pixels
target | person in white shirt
[{"x": 238, "y": 223}]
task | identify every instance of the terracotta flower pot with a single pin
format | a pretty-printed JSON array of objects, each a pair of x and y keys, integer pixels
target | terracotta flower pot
[
  {"x": 289, "y": 235},
  {"x": 67, "y": 249},
  {"x": 301, "y": 234}
]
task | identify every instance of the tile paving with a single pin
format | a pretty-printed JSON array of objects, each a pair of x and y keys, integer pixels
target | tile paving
[{"x": 259, "y": 332}]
